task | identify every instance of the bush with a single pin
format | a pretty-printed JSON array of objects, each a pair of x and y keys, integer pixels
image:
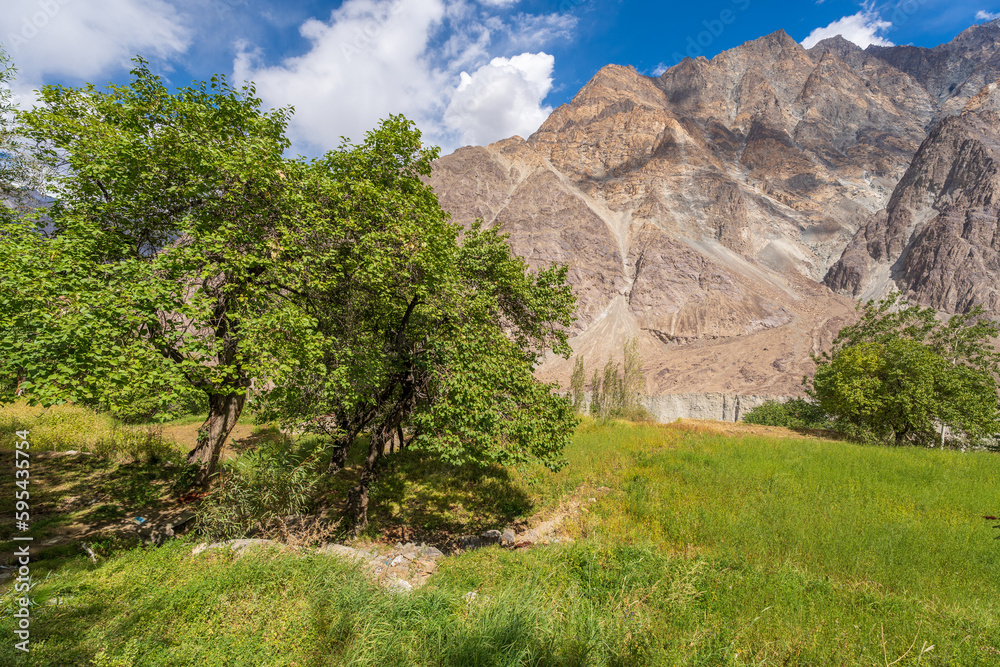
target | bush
[
  {"x": 261, "y": 490},
  {"x": 796, "y": 413}
]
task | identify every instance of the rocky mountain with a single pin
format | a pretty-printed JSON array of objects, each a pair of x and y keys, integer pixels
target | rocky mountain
[
  {"x": 701, "y": 210},
  {"x": 938, "y": 239},
  {"x": 953, "y": 72}
]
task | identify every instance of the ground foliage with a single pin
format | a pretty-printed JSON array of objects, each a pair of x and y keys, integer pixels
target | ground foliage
[
  {"x": 709, "y": 550},
  {"x": 794, "y": 413}
]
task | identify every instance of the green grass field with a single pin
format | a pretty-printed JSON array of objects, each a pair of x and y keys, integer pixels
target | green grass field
[{"x": 709, "y": 549}]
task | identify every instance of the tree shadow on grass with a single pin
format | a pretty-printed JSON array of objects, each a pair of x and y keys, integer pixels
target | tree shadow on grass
[
  {"x": 420, "y": 498},
  {"x": 80, "y": 496}
]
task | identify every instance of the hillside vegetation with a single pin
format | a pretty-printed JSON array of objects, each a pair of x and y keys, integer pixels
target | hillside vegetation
[{"x": 752, "y": 547}]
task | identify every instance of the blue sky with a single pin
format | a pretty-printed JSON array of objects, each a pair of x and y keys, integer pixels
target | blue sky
[{"x": 467, "y": 71}]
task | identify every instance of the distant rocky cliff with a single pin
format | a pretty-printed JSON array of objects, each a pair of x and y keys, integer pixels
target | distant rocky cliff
[{"x": 699, "y": 211}]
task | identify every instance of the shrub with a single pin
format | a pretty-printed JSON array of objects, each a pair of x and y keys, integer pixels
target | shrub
[
  {"x": 796, "y": 413},
  {"x": 261, "y": 490},
  {"x": 618, "y": 395}
]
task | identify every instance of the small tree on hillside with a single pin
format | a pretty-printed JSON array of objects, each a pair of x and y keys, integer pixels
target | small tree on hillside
[
  {"x": 899, "y": 373},
  {"x": 578, "y": 386},
  {"x": 617, "y": 392}
]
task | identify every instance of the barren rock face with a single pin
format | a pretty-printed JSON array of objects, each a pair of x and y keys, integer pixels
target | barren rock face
[
  {"x": 938, "y": 239},
  {"x": 699, "y": 210},
  {"x": 952, "y": 72}
]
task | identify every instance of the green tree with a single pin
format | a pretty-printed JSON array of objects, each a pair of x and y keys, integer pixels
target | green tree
[
  {"x": 899, "y": 373},
  {"x": 618, "y": 391},
  {"x": 17, "y": 174},
  {"x": 578, "y": 385},
  {"x": 596, "y": 394},
  {"x": 157, "y": 277},
  {"x": 190, "y": 256},
  {"x": 426, "y": 335}
]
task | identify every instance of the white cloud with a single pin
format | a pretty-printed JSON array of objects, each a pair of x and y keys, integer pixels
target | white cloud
[
  {"x": 864, "y": 28},
  {"x": 983, "y": 15},
  {"x": 502, "y": 98},
  {"x": 83, "y": 39},
  {"x": 367, "y": 62},
  {"x": 373, "y": 58}
]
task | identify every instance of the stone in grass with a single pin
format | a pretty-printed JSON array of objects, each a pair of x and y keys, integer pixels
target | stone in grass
[
  {"x": 238, "y": 546},
  {"x": 342, "y": 551},
  {"x": 469, "y": 542},
  {"x": 431, "y": 552},
  {"x": 508, "y": 537},
  {"x": 491, "y": 537},
  {"x": 400, "y": 586}
]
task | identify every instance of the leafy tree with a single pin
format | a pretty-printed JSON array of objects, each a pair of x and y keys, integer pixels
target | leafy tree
[
  {"x": 425, "y": 336},
  {"x": 899, "y": 373},
  {"x": 578, "y": 386},
  {"x": 190, "y": 256},
  {"x": 618, "y": 393},
  {"x": 158, "y": 274}
]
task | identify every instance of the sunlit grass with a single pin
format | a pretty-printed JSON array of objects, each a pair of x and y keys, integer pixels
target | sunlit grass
[{"x": 707, "y": 550}]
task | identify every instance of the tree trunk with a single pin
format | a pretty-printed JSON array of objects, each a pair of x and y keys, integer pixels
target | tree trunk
[
  {"x": 357, "y": 497},
  {"x": 223, "y": 412},
  {"x": 381, "y": 439},
  {"x": 339, "y": 457}
]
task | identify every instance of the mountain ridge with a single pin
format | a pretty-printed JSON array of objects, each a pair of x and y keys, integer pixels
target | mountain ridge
[{"x": 702, "y": 210}]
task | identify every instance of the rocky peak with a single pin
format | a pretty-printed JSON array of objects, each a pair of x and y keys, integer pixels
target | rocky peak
[
  {"x": 951, "y": 72},
  {"x": 699, "y": 210},
  {"x": 938, "y": 240}
]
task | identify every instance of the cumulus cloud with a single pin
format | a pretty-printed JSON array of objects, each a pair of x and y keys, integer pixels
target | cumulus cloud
[
  {"x": 983, "y": 15},
  {"x": 367, "y": 62},
  {"x": 373, "y": 58},
  {"x": 81, "y": 40},
  {"x": 501, "y": 99},
  {"x": 864, "y": 28}
]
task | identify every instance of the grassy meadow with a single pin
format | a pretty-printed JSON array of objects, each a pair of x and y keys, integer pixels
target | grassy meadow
[{"x": 686, "y": 546}]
